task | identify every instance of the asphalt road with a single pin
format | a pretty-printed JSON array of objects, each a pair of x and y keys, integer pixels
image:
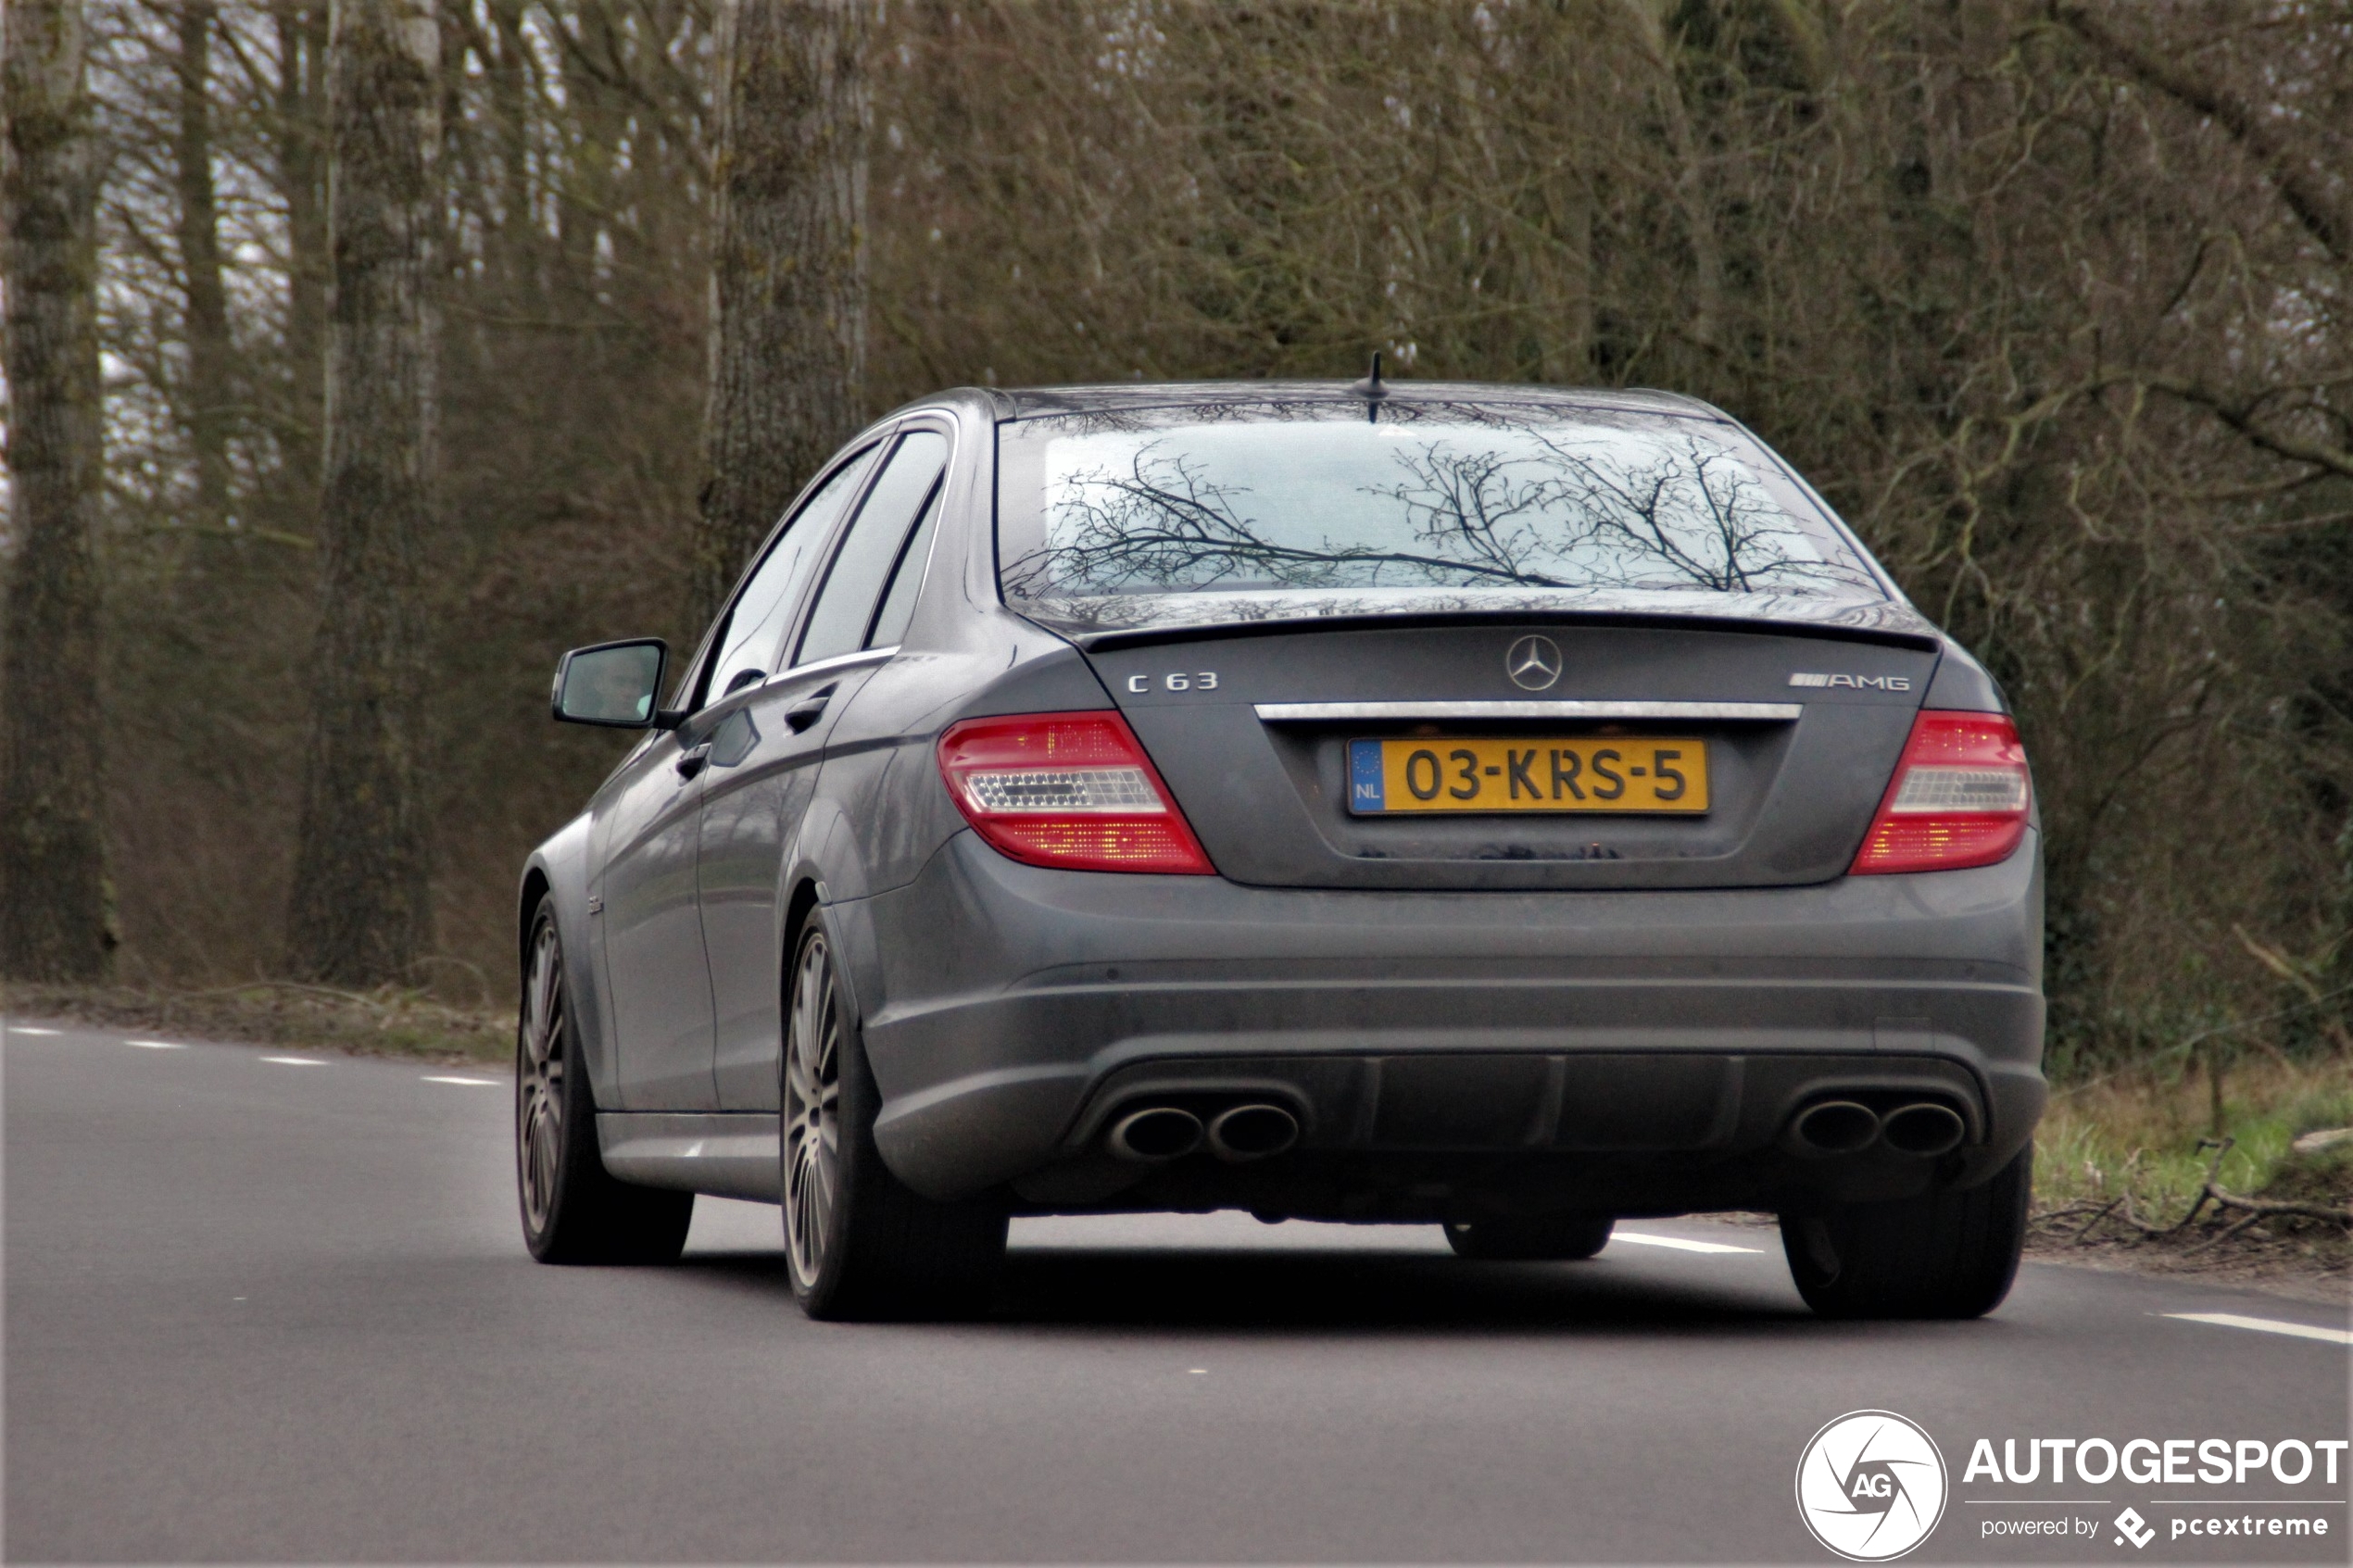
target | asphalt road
[{"x": 261, "y": 1309}]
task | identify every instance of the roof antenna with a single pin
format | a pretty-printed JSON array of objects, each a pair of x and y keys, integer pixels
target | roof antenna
[{"x": 1372, "y": 390}]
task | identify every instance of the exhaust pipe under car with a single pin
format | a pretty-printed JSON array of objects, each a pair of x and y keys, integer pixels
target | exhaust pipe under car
[
  {"x": 1925, "y": 1129},
  {"x": 1252, "y": 1132},
  {"x": 1156, "y": 1134},
  {"x": 1836, "y": 1126}
]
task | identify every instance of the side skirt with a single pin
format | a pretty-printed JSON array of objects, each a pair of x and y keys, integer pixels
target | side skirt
[{"x": 727, "y": 1154}]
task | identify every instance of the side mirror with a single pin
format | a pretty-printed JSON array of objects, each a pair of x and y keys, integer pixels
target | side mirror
[{"x": 615, "y": 685}]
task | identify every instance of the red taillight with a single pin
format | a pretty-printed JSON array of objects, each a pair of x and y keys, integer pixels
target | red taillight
[
  {"x": 1959, "y": 798},
  {"x": 1072, "y": 790}
]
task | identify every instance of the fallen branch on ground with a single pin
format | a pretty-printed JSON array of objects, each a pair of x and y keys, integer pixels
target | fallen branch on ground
[{"x": 2249, "y": 1210}]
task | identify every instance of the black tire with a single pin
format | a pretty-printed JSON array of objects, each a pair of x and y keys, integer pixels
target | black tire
[
  {"x": 1948, "y": 1255},
  {"x": 573, "y": 1211},
  {"x": 858, "y": 1241},
  {"x": 1540, "y": 1238}
]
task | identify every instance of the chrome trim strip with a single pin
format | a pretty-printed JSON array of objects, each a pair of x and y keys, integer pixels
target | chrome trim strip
[
  {"x": 729, "y": 1154},
  {"x": 838, "y": 661},
  {"x": 1314, "y": 712}
]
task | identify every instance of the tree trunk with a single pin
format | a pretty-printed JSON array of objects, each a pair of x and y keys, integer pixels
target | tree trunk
[
  {"x": 788, "y": 269},
  {"x": 55, "y": 921},
  {"x": 1707, "y": 297},
  {"x": 298, "y": 138},
  {"x": 361, "y": 912},
  {"x": 206, "y": 317}
]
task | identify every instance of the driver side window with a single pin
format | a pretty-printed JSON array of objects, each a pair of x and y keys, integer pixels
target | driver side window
[{"x": 751, "y": 639}]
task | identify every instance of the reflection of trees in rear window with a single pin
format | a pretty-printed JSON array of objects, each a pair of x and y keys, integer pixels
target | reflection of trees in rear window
[{"x": 1304, "y": 504}]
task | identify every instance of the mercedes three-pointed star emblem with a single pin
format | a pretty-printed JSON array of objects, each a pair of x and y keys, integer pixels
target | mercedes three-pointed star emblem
[{"x": 1533, "y": 663}]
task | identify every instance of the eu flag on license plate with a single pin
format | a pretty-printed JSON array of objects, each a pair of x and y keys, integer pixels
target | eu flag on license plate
[{"x": 1365, "y": 785}]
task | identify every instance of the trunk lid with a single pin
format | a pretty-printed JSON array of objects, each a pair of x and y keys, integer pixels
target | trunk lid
[{"x": 1801, "y": 730}]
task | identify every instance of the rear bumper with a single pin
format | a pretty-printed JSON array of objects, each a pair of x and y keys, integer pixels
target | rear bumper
[{"x": 1639, "y": 1051}]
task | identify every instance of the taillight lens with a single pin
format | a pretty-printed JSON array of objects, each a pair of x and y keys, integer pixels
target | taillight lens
[
  {"x": 1072, "y": 790},
  {"x": 1959, "y": 798}
]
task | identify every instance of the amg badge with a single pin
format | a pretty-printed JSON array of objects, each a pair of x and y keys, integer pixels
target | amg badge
[{"x": 1860, "y": 682}]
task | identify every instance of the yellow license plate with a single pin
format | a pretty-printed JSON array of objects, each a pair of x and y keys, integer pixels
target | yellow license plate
[{"x": 1588, "y": 773}]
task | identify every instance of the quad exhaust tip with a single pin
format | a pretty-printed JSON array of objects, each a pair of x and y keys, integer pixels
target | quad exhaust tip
[
  {"x": 1156, "y": 1134},
  {"x": 1843, "y": 1126},
  {"x": 1926, "y": 1128},
  {"x": 1836, "y": 1126},
  {"x": 1252, "y": 1132}
]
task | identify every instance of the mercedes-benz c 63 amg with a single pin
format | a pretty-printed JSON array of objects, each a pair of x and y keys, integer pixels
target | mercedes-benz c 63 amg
[{"x": 1497, "y": 808}]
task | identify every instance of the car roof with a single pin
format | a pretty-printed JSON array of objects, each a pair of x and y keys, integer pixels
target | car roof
[{"x": 1026, "y": 401}]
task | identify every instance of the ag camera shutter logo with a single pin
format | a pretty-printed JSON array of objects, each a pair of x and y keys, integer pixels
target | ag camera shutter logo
[{"x": 1871, "y": 1486}]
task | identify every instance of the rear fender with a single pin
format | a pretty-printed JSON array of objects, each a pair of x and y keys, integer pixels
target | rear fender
[{"x": 826, "y": 872}]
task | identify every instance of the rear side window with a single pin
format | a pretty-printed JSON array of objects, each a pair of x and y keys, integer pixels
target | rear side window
[
  {"x": 1406, "y": 505},
  {"x": 898, "y": 599},
  {"x": 897, "y": 504}
]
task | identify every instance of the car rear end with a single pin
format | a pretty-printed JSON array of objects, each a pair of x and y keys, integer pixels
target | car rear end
[{"x": 1463, "y": 803}]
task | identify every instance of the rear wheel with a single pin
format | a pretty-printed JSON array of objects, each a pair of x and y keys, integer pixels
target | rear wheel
[
  {"x": 573, "y": 1210},
  {"x": 1948, "y": 1255},
  {"x": 1559, "y": 1238},
  {"x": 859, "y": 1242}
]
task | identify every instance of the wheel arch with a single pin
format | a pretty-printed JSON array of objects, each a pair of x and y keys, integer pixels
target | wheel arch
[
  {"x": 536, "y": 885},
  {"x": 849, "y": 926},
  {"x": 801, "y": 899},
  {"x": 558, "y": 871}
]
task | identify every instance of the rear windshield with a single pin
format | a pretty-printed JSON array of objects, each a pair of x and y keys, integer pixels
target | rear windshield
[{"x": 1245, "y": 511}]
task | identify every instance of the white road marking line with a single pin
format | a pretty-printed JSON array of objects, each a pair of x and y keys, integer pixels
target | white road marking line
[
  {"x": 295, "y": 1061},
  {"x": 156, "y": 1045},
  {"x": 1196, "y": 1372},
  {"x": 2266, "y": 1325},
  {"x": 29, "y": 1029},
  {"x": 1677, "y": 1243},
  {"x": 480, "y": 1082}
]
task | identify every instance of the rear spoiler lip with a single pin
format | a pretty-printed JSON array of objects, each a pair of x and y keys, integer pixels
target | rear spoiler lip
[
  {"x": 1923, "y": 641},
  {"x": 1569, "y": 708}
]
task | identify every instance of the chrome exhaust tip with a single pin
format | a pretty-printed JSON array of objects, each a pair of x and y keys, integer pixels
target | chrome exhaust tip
[
  {"x": 1252, "y": 1132},
  {"x": 1156, "y": 1134},
  {"x": 1836, "y": 1126},
  {"x": 1924, "y": 1129}
]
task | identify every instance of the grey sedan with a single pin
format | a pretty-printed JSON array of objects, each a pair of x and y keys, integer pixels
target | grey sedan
[{"x": 1498, "y": 807}]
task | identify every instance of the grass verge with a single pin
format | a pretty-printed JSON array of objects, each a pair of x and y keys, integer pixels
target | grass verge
[
  {"x": 2171, "y": 1172},
  {"x": 389, "y": 1021}
]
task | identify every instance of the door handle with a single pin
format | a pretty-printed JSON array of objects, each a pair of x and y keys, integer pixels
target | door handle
[
  {"x": 802, "y": 714},
  {"x": 692, "y": 759}
]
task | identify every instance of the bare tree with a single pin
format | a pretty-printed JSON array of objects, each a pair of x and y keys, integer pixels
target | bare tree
[
  {"x": 199, "y": 242},
  {"x": 294, "y": 118},
  {"x": 361, "y": 910},
  {"x": 54, "y": 916},
  {"x": 788, "y": 271}
]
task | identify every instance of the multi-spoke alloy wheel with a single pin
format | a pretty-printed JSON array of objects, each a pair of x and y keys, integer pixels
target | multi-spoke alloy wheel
[
  {"x": 573, "y": 1211},
  {"x": 544, "y": 1055},
  {"x": 859, "y": 1242},
  {"x": 812, "y": 1111}
]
